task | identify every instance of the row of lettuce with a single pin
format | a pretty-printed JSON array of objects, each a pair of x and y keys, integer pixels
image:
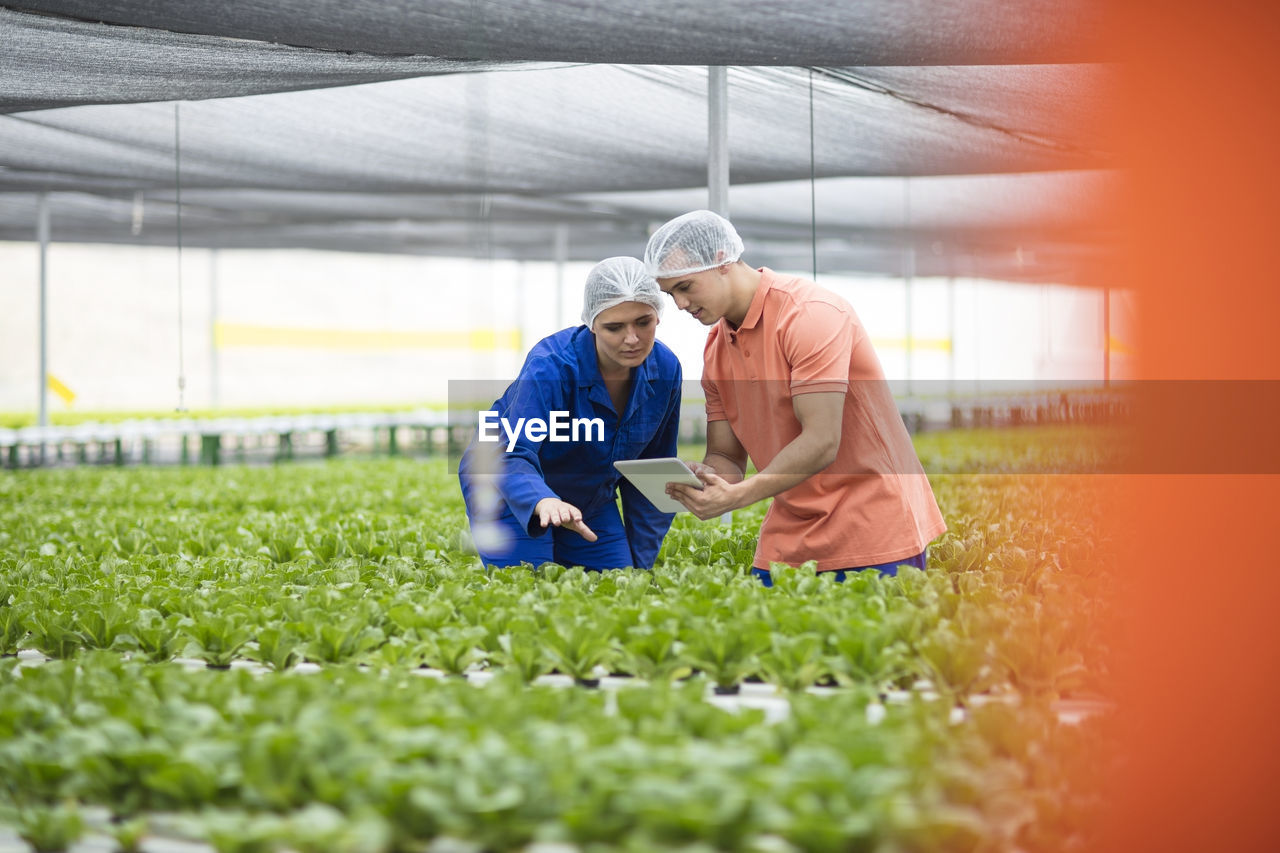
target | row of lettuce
[
  {"x": 403, "y": 758},
  {"x": 169, "y": 580},
  {"x": 957, "y": 631},
  {"x": 364, "y": 568}
]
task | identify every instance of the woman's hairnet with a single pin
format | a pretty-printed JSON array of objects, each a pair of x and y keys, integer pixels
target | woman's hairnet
[
  {"x": 614, "y": 281},
  {"x": 691, "y": 243}
]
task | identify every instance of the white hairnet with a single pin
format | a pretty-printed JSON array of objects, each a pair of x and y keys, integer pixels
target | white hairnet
[
  {"x": 691, "y": 243},
  {"x": 614, "y": 281}
]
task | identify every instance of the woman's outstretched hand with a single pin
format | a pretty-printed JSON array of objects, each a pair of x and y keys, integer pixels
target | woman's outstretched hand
[{"x": 557, "y": 513}]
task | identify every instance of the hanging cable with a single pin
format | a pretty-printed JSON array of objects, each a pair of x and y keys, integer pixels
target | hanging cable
[
  {"x": 813, "y": 185},
  {"x": 177, "y": 182}
]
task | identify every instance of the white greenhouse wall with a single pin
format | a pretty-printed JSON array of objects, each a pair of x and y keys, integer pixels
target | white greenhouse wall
[{"x": 308, "y": 328}]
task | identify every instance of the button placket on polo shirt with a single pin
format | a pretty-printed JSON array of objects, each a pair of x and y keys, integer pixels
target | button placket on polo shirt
[{"x": 750, "y": 365}]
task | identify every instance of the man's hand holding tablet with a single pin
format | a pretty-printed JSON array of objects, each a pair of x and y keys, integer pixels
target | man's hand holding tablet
[{"x": 710, "y": 498}]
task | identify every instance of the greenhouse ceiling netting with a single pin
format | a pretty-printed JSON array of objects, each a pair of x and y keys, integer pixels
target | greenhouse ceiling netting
[{"x": 971, "y": 146}]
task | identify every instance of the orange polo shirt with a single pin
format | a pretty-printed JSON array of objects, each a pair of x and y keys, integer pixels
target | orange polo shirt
[{"x": 873, "y": 504}]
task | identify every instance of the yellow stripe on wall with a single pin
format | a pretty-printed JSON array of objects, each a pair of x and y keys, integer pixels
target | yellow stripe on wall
[
  {"x": 229, "y": 335},
  {"x": 939, "y": 344}
]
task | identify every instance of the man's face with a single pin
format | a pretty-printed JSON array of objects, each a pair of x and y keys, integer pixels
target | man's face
[{"x": 705, "y": 295}]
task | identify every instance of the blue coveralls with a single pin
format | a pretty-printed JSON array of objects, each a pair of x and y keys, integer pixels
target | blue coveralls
[{"x": 561, "y": 374}]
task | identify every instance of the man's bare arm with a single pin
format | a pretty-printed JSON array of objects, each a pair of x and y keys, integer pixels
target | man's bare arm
[
  {"x": 725, "y": 454},
  {"x": 820, "y": 415}
]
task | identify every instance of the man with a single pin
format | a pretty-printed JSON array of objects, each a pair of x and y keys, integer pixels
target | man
[{"x": 792, "y": 381}]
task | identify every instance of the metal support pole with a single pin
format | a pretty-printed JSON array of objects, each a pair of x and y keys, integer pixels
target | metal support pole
[
  {"x": 521, "y": 284},
  {"x": 718, "y": 139},
  {"x": 957, "y": 412},
  {"x": 214, "y": 396},
  {"x": 718, "y": 156},
  {"x": 42, "y": 235},
  {"x": 561, "y": 251},
  {"x": 908, "y": 275},
  {"x": 975, "y": 291},
  {"x": 951, "y": 335}
]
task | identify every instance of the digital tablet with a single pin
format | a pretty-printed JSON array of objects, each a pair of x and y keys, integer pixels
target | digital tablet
[{"x": 651, "y": 476}]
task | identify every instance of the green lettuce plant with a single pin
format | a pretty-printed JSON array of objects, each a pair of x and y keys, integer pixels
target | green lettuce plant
[
  {"x": 217, "y": 638},
  {"x": 524, "y": 655},
  {"x": 279, "y": 646},
  {"x": 404, "y": 650},
  {"x": 340, "y": 640},
  {"x": 454, "y": 649},
  {"x": 48, "y": 829},
  {"x": 105, "y": 624},
  {"x": 577, "y": 646},
  {"x": 794, "y": 662},
  {"x": 129, "y": 834},
  {"x": 52, "y": 632},
  {"x": 654, "y": 653},
  {"x": 726, "y": 653},
  {"x": 12, "y": 629},
  {"x": 960, "y": 665},
  {"x": 866, "y": 652},
  {"x": 320, "y": 828},
  {"x": 239, "y": 832},
  {"x": 159, "y": 638},
  {"x": 1041, "y": 658}
]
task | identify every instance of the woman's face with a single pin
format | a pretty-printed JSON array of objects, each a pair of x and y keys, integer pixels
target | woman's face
[{"x": 624, "y": 335}]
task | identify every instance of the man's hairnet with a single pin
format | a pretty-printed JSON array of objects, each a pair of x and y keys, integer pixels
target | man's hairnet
[
  {"x": 614, "y": 281},
  {"x": 696, "y": 241}
]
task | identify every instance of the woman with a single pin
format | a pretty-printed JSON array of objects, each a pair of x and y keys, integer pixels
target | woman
[{"x": 555, "y": 501}]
